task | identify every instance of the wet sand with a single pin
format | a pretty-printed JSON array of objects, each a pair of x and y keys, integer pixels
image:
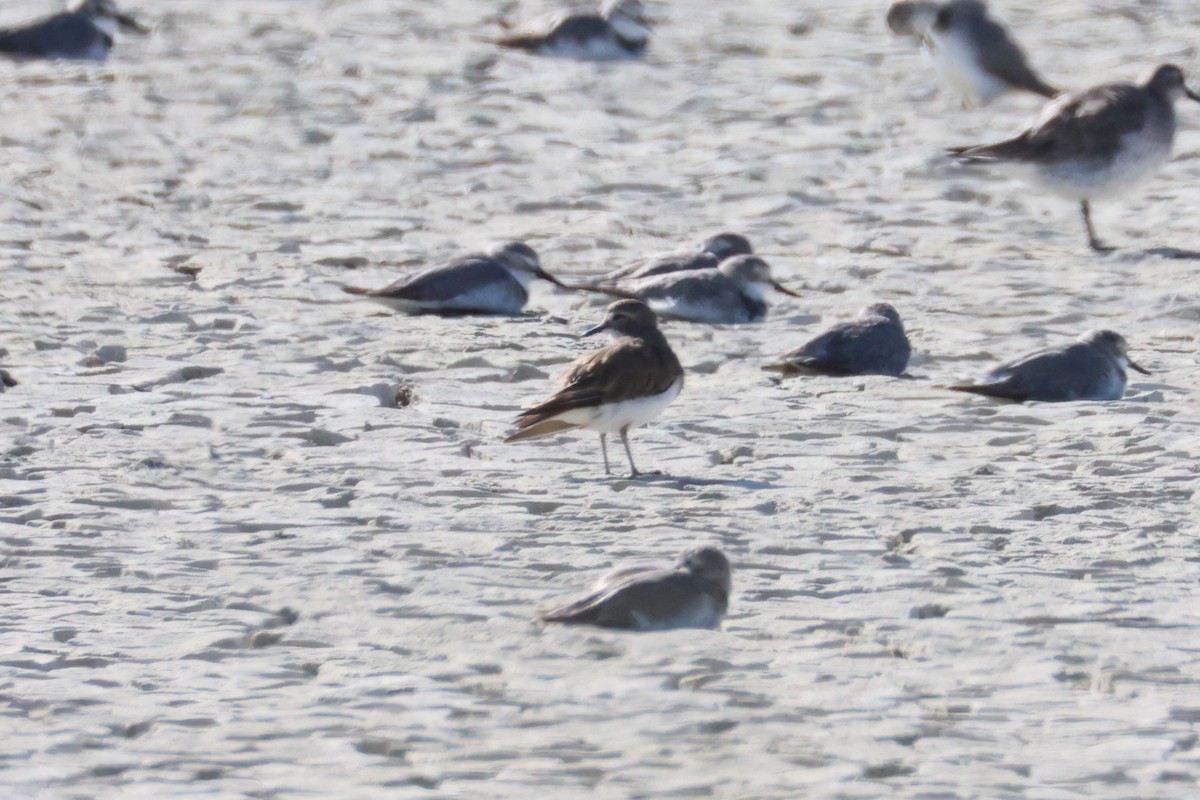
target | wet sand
[{"x": 263, "y": 540}]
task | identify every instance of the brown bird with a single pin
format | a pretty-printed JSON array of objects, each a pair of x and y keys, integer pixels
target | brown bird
[
  {"x": 694, "y": 594},
  {"x": 621, "y": 386}
]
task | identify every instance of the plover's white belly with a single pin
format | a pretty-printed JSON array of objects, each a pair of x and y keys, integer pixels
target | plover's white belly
[
  {"x": 1140, "y": 158},
  {"x": 956, "y": 63},
  {"x": 612, "y": 417},
  {"x": 596, "y": 48},
  {"x": 494, "y": 297},
  {"x": 701, "y": 612}
]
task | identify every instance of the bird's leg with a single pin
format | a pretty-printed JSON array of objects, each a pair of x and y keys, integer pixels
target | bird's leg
[
  {"x": 1093, "y": 242},
  {"x": 604, "y": 452},
  {"x": 628, "y": 452}
]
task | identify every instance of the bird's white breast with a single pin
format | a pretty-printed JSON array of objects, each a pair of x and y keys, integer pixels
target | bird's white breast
[
  {"x": 955, "y": 59},
  {"x": 612, "y": 417}
]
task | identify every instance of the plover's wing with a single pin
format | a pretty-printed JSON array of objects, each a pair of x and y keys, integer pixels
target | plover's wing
[
  {"x": 646, "y": 601},
  {"x": 68, "y": 35},
  {"x": 558, "y": 29},
  {"x": 452, "y": 285},
  {"x": 851, "y": 348},
  {"x": 1053, "y": 374},
  {"x": 1002, "y": 57},
  {"x": 699, "y": 296},
  {"x": 628, "y": 369},
  {"x": 662, "y": 265},
  {"x": 1075, "y": 126}
]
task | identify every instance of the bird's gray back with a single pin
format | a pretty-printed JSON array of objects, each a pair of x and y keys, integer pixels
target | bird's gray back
[
  {"x": 866, "y": 347},
  {"x": 68, "y": 35},
  {"x": 445, "y": 283}
]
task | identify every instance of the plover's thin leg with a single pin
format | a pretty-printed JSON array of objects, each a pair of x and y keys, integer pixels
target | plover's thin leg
[
  {"x": 1093, "y": 242},
  {"x": 604, "y": 451},
  {"x": 628, "y": 452}
]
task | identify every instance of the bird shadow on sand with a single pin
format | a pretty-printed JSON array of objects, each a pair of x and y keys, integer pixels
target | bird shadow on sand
[
  {"x": 1176, "y": 253},
  {"x": 623, "y": 482}
]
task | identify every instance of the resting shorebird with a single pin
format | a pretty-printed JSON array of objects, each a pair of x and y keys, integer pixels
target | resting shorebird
[
  {"x": 83, "y": 34},
  {"x": 618, "y": 29},
  {"x": 496, "y": 282},
  {"x": 873, "y": 344},
  {"x": 694, "y": 594},
  {"x": 972, "y": 52},
  {"x": 714, "y": 250},
  {"x": 1092, "y": 368},
  {"x": 730, "y": 294},
  {"x": 618, "y": 387},
  {"x": 1096, "y": 143}
]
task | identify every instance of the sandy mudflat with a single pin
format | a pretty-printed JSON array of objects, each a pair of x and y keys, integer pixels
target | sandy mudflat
[{"x": 233, "y": 569}]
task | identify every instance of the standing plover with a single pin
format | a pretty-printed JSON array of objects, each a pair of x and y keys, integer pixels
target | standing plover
[
  {"x": 618, "y": 29},
  {"x": 712, "y": 252},
  {"x": 731, "y": 294},
  {"x": 495, "y": 282},
  {"x": 83, "y": 34},
  {"x": 693, "y": 594},
  {"x": 616, "y": 388},
  {"x": 971, "y": 52},
  {"x": 873, "y": 344},
  {"x": 1091, "y": 368},
  {"x": 1096, "y": 143}
]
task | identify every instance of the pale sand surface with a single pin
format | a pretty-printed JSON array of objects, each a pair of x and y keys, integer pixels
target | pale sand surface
[{"x": 267, "y": 582}]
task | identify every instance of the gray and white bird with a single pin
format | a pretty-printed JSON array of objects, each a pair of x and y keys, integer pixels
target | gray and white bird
[
  {"x": 614, "y": 389},
  {"x": 733, "y": 293},
  {"x": 495, "y": 282},
  {"x": 1097, "y": 143},
  {"x": 692, "y": 594},
  {"x": 618, "y": 29},
  {"x": 974, "y": 55},
  {"x": 712, "y": 252},
  {"x": 1091, "y": 368},
  {"x": 85, "y": 34},
  {"x": 873, "y": 344}
]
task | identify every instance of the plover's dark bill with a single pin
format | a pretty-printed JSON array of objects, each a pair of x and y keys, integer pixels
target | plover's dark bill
[
  {"x": 496, "y": 282},
  {"x": 1098, "y": 143},
  {"x": 693, "y": 594},
  {"x": 614, "y": 389},
  {"x": 86, "y": 33},
  {"x": 873, "y": 344},
  {"x": 1090, "y": 368},
  {"x": 617, "y": 30},
  {"x": 732, "y": 294},
  {"x": 973, "y": 53}
]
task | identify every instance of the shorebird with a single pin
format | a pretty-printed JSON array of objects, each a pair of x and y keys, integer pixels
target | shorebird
[
  {"x": 873, "y": 344},
  {"x": 971, "y": 52},
  {"x": 731, "y": 294},
  {"x": 1096, "y": 143},
  {"x": 84, "y": 34},
  {"x": 616, "y": 388},
  {"x": 692, "y": 594},
  {"x": 618, "y": 29},
  {"x": 713, "y": 251},
  {"x": 495, "y": 282},
  {"x": 1091, "y": 368}
]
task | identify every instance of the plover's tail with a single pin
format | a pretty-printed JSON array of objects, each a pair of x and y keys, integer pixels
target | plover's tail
[
  {"x": 534, "y": 428},
  {"x": 999, "y": 389},
  {"x": 528, "y": 43},
  {"x": 357, "y": 290}
]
